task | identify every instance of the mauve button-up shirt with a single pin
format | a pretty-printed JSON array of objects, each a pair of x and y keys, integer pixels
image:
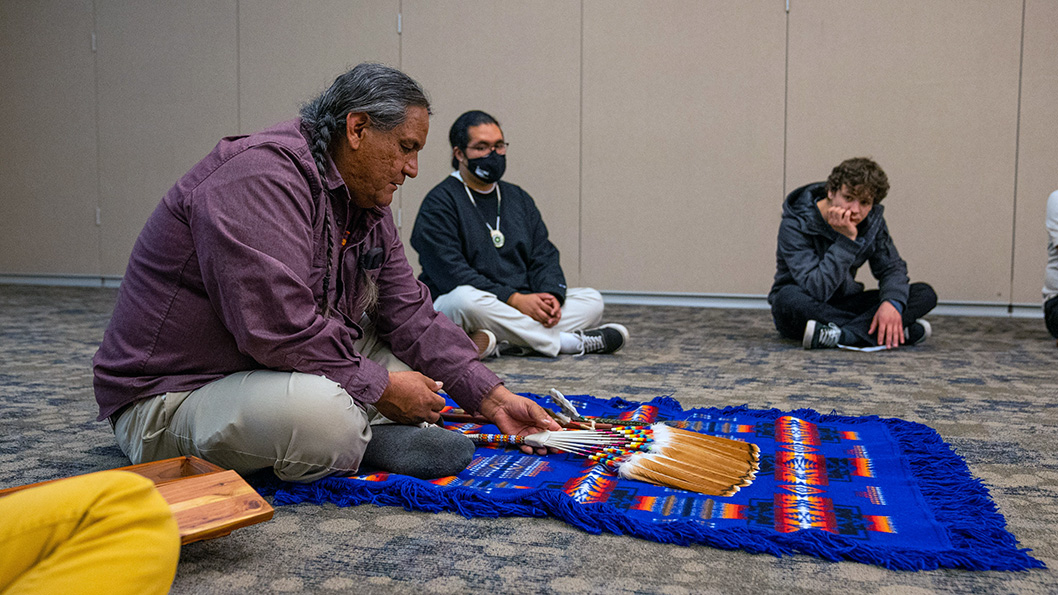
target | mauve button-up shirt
[{"x": 227, "y": 276}]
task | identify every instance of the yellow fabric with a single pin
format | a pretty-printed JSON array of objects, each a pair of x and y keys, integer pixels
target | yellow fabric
[{"x": 109, "y": 532}]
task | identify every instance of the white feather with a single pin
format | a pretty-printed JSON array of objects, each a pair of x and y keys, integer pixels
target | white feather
[{"x": 564, "y": 404}]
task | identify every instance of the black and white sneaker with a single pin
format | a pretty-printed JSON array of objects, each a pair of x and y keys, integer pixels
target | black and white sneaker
[
  {"x": 918, "y": 332},
  {"x": 607, "y": 338},
  {"x": 821, "y": 336}
]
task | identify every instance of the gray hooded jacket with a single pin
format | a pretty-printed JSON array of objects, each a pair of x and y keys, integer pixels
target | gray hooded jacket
[{"x": 823, "y": 263}]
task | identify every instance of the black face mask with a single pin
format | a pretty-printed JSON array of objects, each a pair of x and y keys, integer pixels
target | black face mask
[{"x": 489, "y": 168}]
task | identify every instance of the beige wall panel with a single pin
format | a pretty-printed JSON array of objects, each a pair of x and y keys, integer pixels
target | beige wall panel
[
  {"x": 290, "y": 51},
  {"x": 1038, "y": 150},
  {"x": 519, "y": 61},
  {"x": 48, "y": 191},
  {"x": 682, "y": 149},
  {"x": 929, "y": 90},
  {"x": 167, "y": 94}
]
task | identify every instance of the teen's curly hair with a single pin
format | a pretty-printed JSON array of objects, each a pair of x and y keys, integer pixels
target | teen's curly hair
[{"x": 863, "y": 177}]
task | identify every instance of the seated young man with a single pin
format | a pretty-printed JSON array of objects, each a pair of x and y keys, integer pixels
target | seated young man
[
  {"x": 828, "y": 231},
  {"x": 1050, "y": 278},
  {"x": 489, "y": 264}
]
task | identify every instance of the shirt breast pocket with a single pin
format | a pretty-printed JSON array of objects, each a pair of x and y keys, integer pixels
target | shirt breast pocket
[
  {"x": 371, "y": 261},
  {"x": 362, "y": 282}
]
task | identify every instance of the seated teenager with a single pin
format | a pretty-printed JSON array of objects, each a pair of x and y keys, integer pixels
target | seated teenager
[
  {"x": 828, "y": 231},
  {"x": 488, "y": 262},
  {"x": 1050, "y": 279}
]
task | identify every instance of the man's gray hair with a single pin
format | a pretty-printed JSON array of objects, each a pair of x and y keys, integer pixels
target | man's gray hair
[{"x": 381, "y": 92}]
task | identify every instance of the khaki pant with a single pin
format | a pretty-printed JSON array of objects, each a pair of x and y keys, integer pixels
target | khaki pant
[
  {"x": 302, "y": 426},
  {"x": 108, "y": 532},
  {"x": 473, "y": 309}
]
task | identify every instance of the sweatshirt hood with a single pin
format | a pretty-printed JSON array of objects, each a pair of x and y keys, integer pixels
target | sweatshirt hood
[{"x": 801, "y": 206}]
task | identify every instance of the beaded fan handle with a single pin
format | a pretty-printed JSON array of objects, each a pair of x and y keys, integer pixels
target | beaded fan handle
[{"x": 508, "y": 439}]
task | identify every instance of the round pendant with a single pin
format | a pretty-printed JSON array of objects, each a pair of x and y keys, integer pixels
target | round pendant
[{"x": 497, "y": 238}]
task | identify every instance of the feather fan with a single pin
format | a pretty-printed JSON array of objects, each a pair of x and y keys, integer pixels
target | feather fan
[{"x": 657, "y": 454}]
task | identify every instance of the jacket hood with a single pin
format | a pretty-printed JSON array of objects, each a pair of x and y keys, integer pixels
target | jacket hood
[{"x": 801, "y": 206}]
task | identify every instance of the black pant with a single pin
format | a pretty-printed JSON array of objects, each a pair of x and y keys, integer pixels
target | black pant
[
  {"x": 1050, "y": 315},
  {"x": 792, "y": 308}
]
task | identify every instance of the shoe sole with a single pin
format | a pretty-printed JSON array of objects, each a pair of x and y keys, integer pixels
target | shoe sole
[
  {"x": 810, "y": 331},
  {"x": 928, "y": 331},
  {"x": 489, "y": 343}
]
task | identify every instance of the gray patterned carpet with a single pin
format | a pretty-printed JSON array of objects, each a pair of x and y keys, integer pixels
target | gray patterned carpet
[{"x": 988, "y": 385}]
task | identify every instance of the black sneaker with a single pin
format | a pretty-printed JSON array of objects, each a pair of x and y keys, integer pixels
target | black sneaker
[
  {"x": 918, "y": 332},
  {"x": 821, "y": 336},
  {"x": 507, "y": 349},
  {"x": 608, "y": 338}
]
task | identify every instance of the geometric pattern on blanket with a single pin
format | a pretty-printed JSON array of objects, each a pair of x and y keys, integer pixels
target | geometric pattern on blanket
[{"x": 875, "y": 490}]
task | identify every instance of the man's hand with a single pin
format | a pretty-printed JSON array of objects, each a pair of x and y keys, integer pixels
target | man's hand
[
  {"x": 841, "y": 220},
  {"x": 411, "y": 398},
  {"x": 889, "y": 324},
  {"x": 516, "y": 415},
  {"x": 541, "y": 307}
]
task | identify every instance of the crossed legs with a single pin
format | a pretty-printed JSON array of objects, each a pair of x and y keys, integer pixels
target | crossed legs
[
  {"x": 303, "y": 427},
  {"x": 473, "y": 309},
  {"x": 792, "y": 308}
]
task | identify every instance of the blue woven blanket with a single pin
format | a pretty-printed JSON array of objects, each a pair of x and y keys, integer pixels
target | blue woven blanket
[{"x": 879, "y": 491}]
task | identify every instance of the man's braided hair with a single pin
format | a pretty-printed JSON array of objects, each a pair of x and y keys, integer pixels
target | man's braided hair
[{"x": 381, "y": 92}]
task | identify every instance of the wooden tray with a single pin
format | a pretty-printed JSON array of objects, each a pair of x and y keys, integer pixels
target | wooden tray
[{"x": 206, "y": 501}]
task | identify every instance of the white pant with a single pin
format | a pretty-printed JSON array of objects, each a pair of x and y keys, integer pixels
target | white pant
[
  {"x": 473, "y": 309},
  {"x": 302, "y": 426}
]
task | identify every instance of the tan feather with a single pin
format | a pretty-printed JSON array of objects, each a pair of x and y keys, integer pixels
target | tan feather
[
  {"x": 679, "y": 469},
  {"x": 721, "y": 469},
  {"x": 657, "y": 478},
  {"x": 717, "y": 443}
]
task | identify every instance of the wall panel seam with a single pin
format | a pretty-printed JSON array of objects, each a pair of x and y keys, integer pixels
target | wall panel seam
[
  {"x": 98, "y": 145},
  {"x": 580, "y": 158},
  {"x": 1017, "y": 150},
  {"x": 238, "y": 67},
  {"x": 786, "y": 99}
]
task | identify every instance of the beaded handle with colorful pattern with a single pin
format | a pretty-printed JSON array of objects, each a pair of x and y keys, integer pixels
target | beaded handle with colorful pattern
[{"x": 508, "y": 439}]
